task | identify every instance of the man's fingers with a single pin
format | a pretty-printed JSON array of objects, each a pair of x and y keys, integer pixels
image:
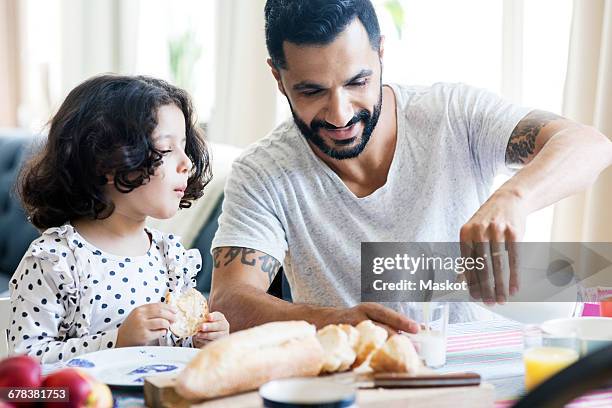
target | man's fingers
[
  {"x": 467, "y": 251},
  {"x": 513, "y": 262},
  {"x": 498, "y": 260},
  {"x": 389, "y": 317},
  {"x": 484, "y": 282}
]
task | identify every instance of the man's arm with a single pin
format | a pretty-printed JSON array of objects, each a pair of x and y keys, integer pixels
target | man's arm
[
  {"x": 557, "y": 157},
  {"x": 241, "y": 277}
]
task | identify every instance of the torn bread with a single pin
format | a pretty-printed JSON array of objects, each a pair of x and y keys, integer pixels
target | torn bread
[
  {"x": 371, "y": 338},
  {"x": 352, "y": 335},
  {"x": 192, "y": 312},
  {"x": 246, "y": 359},
  {"x": 338, "y": 351},
  {"x": 397, "y": 355}
]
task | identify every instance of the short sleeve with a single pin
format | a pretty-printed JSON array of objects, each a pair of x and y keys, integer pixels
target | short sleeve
[
  {"x": 488, "y": 121},
  {"x": 249, "y": 218}
]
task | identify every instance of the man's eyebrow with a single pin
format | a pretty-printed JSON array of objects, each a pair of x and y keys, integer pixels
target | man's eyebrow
[
  {"x": 306, "y": 85},
  {"x": 362, "y": 74},
  {"x": 312, "y": 85}
]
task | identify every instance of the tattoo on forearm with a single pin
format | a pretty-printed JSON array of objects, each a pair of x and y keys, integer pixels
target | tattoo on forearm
[
  {"x": 267, "y": 263},
  {"x": 522, "y": 143}
]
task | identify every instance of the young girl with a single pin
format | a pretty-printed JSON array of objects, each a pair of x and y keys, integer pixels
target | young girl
[{"x": 119, "y": 150}]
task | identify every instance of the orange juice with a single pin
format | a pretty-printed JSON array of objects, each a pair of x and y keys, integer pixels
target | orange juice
[
  {"x": 606, "y": 307},
  {"x": 542, "y": 362}
]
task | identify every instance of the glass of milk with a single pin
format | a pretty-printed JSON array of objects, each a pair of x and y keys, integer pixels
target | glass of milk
[{"x": 430, "y": 342}]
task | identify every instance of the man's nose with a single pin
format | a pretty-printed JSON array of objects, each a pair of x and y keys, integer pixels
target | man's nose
[{"x": 339, "y": 109}]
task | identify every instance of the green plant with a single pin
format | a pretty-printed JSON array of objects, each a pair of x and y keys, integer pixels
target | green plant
[
  {"x": 184, "y": 52},
  {"x": 396, "y": 9}
]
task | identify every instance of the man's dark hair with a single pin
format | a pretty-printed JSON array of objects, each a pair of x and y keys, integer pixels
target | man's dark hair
[
  {"x": 103, "y": 128},
  {"x": 314, "y": 22}
]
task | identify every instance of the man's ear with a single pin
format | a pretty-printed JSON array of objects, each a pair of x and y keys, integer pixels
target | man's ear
[
  {"x": 381, "y": 48},
  {"x": 277, "y": 76}
]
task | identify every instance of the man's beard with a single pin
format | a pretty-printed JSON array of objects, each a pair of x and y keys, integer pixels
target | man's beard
[{"x": 311, "y": 133}]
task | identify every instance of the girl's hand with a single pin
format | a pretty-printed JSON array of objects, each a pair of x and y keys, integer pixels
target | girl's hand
[
  {"x": 214, "y": 328},
  {"x": 145, "y": 324}
]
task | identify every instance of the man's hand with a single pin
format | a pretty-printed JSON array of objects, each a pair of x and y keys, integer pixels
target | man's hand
[
  {"x": 493, "y": 230},
  {"x": 387, "y": 318},
  {"x": 145, "y": 324}
]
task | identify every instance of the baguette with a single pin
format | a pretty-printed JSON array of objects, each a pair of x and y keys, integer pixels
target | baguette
[
  {"x": 371, "y": 338},
  {"x": 396, "y": 356},
  {"x": 352, "y": 334},
  {"x": 339, "y": 354},
  {"x": 247, "y": 359}
]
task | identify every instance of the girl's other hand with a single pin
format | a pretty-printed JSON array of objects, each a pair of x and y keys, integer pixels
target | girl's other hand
[
  {"x": 214, "y": 328},
  {"x": 145, "y": 324}
]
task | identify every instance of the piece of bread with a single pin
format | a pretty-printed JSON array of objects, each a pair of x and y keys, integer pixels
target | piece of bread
[
  {"x": 371, "y": 338},
  {"x": 397, "y": 355},
  {"x": 192, "y": 312},
  {"x": 339, "y": 354},
  {"x": 246, "y": 359},
  {"x": 352, "y": 334}
]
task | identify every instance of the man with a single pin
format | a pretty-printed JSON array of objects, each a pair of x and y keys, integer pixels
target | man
[{"x": 362, "y": 161}]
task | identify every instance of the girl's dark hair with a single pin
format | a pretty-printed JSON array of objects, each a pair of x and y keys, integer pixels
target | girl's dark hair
[
  {"x": 104, "y": 127},
  {"x": 314, "y": 22}
]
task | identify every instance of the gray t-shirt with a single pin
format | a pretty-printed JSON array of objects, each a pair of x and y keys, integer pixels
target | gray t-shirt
[{"x": 281, "y": 199}]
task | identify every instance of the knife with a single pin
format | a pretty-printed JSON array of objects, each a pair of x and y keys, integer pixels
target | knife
[{"x": 404, "y": 380}]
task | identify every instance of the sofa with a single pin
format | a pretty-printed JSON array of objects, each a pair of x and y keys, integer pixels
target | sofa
[{"x": 18, "y": 233}]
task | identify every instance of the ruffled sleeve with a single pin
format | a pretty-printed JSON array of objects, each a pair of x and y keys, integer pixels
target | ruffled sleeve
[
  {"x": 50, "y": 315},
  {"x": 182, "y": 264}
]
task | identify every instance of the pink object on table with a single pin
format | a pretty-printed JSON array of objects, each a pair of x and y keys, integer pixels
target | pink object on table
[{"x": 590, "y": 309}]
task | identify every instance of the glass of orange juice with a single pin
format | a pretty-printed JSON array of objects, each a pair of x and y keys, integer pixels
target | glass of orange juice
[
  {"x": 545, "y": 354},
  {"x": 606, "y": 307}
]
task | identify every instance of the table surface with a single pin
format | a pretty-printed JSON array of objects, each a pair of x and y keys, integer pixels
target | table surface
[{"x": 492, "y": 348}]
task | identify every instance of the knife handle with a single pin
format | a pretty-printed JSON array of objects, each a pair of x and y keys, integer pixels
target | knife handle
[{"x": 403, "y": 380}]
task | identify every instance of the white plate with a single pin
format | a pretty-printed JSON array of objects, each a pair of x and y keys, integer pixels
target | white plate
[{"x": 128, "y": 366}]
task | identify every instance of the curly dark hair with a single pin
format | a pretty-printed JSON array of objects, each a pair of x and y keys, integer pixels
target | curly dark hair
[
  {"x": 314, "y": 22},
  {"x": 104, "y": 127}
]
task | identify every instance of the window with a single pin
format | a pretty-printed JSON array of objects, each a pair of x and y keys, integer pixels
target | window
[{"x": 64, "y": 43}]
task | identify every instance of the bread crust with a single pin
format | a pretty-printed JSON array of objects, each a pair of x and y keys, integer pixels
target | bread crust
[
  {"x": 371, "y": 338},
  {"x": 247, "y": 359},
  {"x": 398, "y": 355}
]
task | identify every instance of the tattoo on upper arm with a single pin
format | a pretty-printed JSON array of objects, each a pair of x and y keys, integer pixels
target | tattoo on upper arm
[
  {"x": 522, "y": 143},
  {"x": 267, "y": 264}
]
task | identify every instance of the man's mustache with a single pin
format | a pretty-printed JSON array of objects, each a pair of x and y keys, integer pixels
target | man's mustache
[{"x": 363, "y": 115}]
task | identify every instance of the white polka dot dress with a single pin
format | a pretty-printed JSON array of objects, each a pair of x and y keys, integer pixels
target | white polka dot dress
[{"x": 69, "y": 297}]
